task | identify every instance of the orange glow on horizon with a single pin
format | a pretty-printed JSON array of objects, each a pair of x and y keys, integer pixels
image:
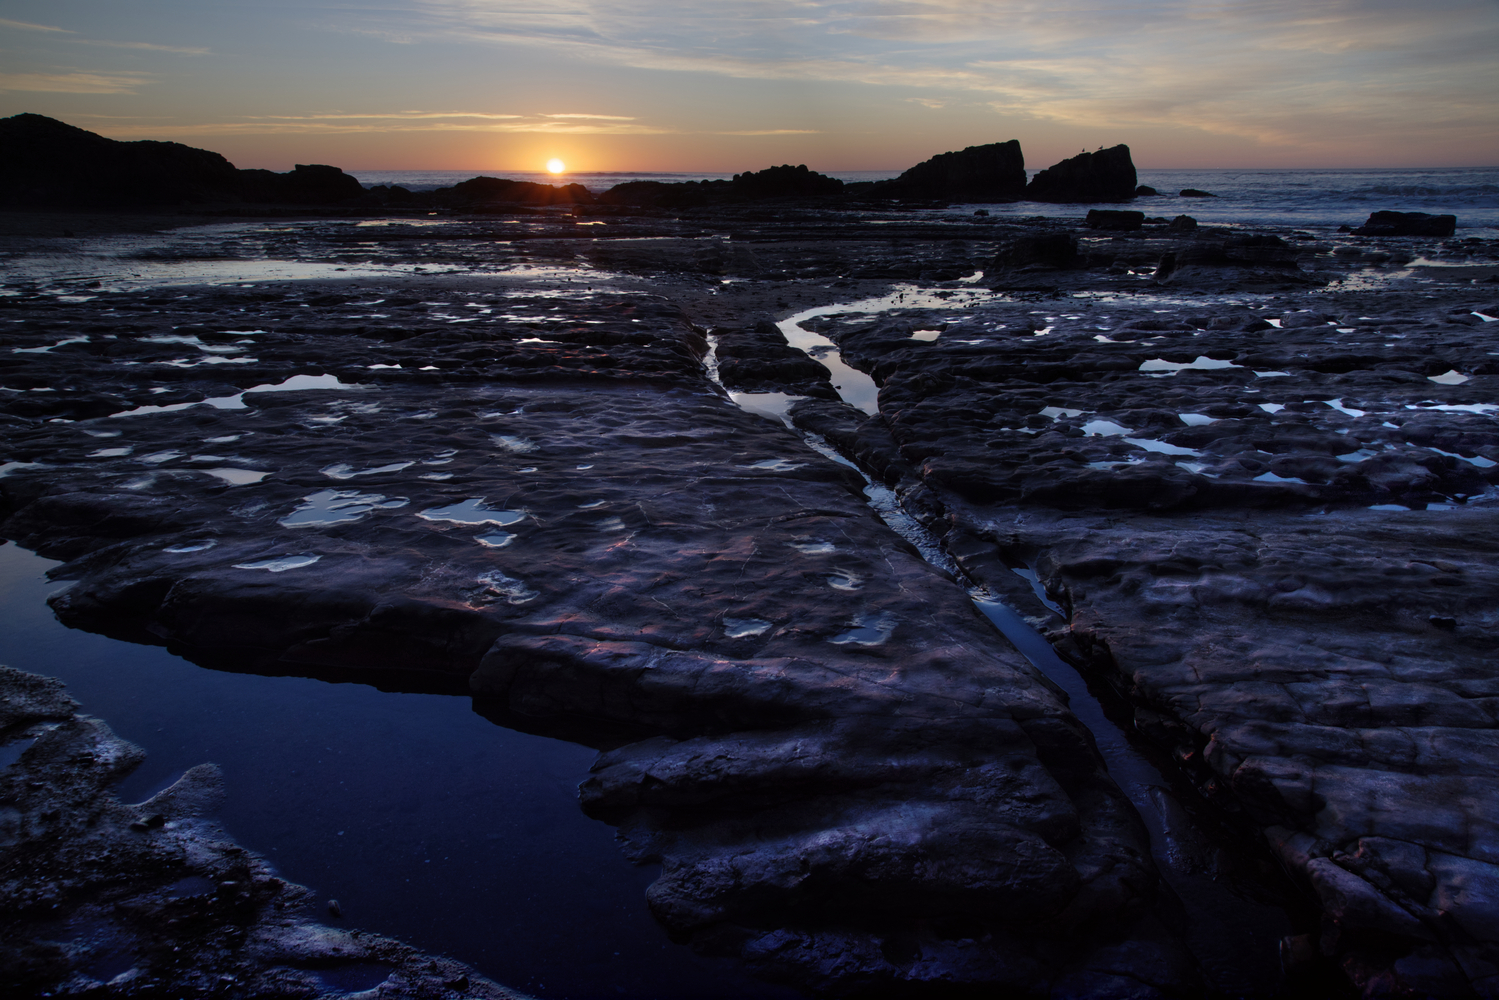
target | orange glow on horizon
[{"x": 556, "y": 166}]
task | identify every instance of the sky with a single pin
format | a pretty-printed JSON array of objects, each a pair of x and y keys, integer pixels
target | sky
[{"x": 728, "y": 85}]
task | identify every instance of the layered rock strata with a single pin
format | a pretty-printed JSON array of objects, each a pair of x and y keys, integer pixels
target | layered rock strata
[
  {"x": 1272, "y": 530},
  {"x": 847, "y": 777}
]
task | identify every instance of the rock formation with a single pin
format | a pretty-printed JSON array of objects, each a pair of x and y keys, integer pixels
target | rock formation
[
  {"x": 1407, "y": 224},
  {"x": 990, "y": 173},
  {"x": 1107, "y": 175},
  {"x": 45, "y": 163}
]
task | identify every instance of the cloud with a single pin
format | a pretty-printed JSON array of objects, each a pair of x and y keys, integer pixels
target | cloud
[
  {"x": 773, "y": 131},
  {"x": 400, "y": 121},
  {"x": 1277, "y": 71},
  {"x": 73, "y": 83},
  {"x": 149, "y": 47},
  {"x": 28, "y": 26},
  {"x": 612, "y": 118}
]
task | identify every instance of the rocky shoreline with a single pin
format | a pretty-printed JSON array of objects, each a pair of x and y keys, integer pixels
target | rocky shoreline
[
  {"x": 1251, "y": 474},
  {"x": 102, "y": 898}
]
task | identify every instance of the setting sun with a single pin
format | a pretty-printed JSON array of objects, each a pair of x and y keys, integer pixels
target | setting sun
[{"x": 555, "y": 166}]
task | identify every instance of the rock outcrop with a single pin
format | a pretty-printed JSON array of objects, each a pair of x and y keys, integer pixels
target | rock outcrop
[
  {"x": 808, "y": 726},
  {"x": 478, "y": 192},
  {"x": 1106, "y": 175},
  {"x": 45, "y": 163},
  {"x": 785, "y": 182},
  {"x": 990, "y": 173},
  {"x": 106, "y": 899},
  {"x": 1276, "y": 541},
  {"x": 1407, "y": 224}
]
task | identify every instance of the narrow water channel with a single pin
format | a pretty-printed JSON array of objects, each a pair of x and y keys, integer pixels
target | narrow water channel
[{"x": 1235, "y": 937}]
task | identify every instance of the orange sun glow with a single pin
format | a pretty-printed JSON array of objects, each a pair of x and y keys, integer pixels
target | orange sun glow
[{"x": 555, "y": 166}]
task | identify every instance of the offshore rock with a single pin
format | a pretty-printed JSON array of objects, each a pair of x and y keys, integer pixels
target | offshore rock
[
  {"x": 990, "y": 173},
  {"x": 480, "y": 191},
  {"x": 1106, "y": 175},
  {"x": 1407, "y": 224},
  {"x": 317, "y": 184},
  {"x": 785, "y": 182},
  {"x": 157, "y": 892}
]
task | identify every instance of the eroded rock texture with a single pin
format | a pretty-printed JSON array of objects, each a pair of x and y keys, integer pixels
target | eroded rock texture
[
  {"x": 849, "y": 780},
  {"x": 101, "y": 898},
  {"x": 1271, "y": 529}
]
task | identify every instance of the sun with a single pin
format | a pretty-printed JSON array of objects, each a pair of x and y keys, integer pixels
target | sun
[{"x": 555, "y": 166}]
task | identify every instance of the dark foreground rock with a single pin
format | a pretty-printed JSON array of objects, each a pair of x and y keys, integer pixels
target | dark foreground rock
[
  {"x": 1276, "y": 541},
  {"x": 528, "y": 490},
  {"x": 104, "y": 899},
  {"x": 1407, "y": 224},
  {"x": 850, "y": 782},
  {"x": 1107, "y": 175}
]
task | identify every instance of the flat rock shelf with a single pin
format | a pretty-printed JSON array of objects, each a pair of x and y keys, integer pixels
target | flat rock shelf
[{"x": 1241, "y": 482}]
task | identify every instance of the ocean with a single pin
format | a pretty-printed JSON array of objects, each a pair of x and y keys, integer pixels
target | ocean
[{"x": 1279, "y": 198}]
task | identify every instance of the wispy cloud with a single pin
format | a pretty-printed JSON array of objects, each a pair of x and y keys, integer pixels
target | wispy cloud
[
  {"x": 1278, "y": 71},
  {"x": 148, "y": 47},
  {"x": 612, "y": 118},
  {"x": 73, "y": 83},
  {"x": 773, "y": 131},
  {"x": 335, "y": 123},
  {"x": 28, "y": 26}
]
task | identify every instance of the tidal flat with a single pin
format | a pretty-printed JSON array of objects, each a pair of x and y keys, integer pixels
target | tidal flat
[{"x": 929, "y": 604}]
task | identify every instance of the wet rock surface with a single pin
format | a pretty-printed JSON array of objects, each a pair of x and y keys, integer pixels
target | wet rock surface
[
  {"x": 103, "y": 898},
  {"x": 1269, "y": 525},
  {"x": 519, "y": 482}
]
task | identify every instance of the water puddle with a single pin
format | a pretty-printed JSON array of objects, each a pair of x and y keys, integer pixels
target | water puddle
[
  {"x": 512, "y": 590},
  {"x": 473, "y": 511},
  {"x": 342, "y": 471},
  {"x": 296, "y": 383},
  {"x": 199, "y": 545},
  {"x": 49, "y": 347},
  {"x": 1196, "y": 419},
  {"x": 771, "y": 405},
  {"x": 774, "y": 465},
  {"x": 236, "y": 477},
  {"x": 1455, "y": 407},
  {"x": 1451, "y": 377},
  {"x": 1202, "y": 363},
  {"x": 281, "y": 564},
  {"x": 738, "y": 628},
  {"x": 495, "y": 539},
  {"x": 867, "y": 630},
  {"x": 327, "y": 507},
  {"x": 1161, "y": 447}
]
